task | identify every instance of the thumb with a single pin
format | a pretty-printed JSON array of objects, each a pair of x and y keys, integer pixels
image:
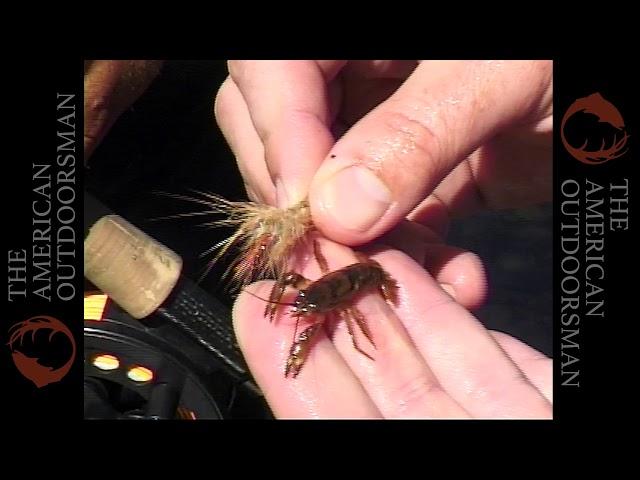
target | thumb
[{"x": 395, "y": 156}]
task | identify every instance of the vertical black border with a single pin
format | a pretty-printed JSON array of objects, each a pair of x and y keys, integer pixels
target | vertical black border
[
  {"x": 33, "y": 106},
  {"x": 599, "y": 337}
]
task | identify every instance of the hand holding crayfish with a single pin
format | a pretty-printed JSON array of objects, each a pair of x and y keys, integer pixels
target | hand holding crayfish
[{"x": 428, "y": 356}]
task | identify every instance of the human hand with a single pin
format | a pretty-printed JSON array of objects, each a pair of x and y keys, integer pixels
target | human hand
[
  {"x": 432, "y": 358},
  {"x": 279, "y": 117},
  {"x": 427, "y": 141},
  {"x": 110, "y": 86}
]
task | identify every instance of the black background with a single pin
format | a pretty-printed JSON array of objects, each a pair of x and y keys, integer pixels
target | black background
[
  {"x": 32, "y": 107},
  {"x": 171, "y": 162}
]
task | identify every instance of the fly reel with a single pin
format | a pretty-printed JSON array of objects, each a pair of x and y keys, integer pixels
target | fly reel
[{"x": 156, "y": 370}]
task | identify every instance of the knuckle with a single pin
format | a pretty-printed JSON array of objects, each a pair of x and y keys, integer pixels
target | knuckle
[
  {"x": 416, "y": 391},
  {"x": 414, "y": 146},
  {"x": 490, "y": 390},
  {"x": 418, "y": 136}
]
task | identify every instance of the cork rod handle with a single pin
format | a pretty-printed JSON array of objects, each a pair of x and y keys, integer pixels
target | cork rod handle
[{"x": 136, "y": 271}]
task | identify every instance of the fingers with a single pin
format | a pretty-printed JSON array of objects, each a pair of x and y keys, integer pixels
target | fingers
[
  {"x": 536, "y": 367},
  {"x": 463, "y": 355},
  {"x": 110, "y": 86},
  {"x": 398, "y": 380},
  {"x": 459, "y": 272},
  {"x": 289, "y": 105},
  {"x": 234, "y": 120},
  {"x": 395, "y": 156},
  {"x": 431, "y": 359},
  {"x": 325, "y": 387}
]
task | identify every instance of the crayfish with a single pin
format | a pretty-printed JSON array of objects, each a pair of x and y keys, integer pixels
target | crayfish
[{"x": 331, "y": 295}]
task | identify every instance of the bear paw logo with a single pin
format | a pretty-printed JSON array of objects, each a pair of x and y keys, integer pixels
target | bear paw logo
[
  {"x": 605, "y": 112},
  {"x": 30, "y": 367}
]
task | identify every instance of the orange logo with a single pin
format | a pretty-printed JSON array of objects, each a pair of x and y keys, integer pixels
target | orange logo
[
  {"x": 30, "y": 367},
  {"x": 606, "y": 113}
]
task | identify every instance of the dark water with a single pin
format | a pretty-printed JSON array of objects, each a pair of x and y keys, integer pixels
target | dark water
[{"x": 168, "y": 141}]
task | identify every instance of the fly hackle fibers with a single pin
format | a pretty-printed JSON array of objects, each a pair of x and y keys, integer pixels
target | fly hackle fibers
[{"x": 264, "y": 238}]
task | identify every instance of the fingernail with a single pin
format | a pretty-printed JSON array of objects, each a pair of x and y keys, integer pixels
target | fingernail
[{"x": 355, "y": 197}]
